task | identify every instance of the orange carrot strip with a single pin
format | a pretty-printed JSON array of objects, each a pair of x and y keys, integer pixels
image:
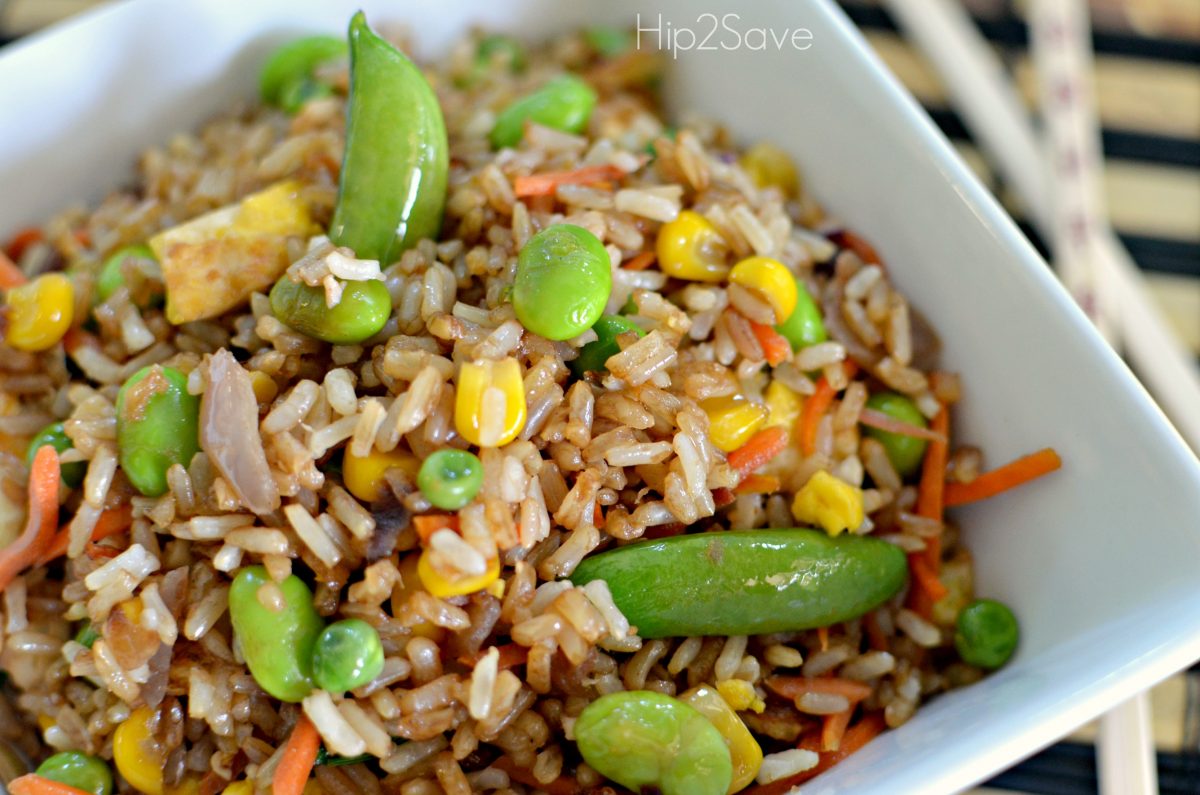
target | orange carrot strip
[
  {"x": 815, "y": 406},
  {"x": 83, "y": 237},
  {"x": 428, "y": 524},
  {"x": 1001, "y": 479},
  {"x": 111, "y": 522},
  {"x": 299, "y": 756},
  {"x": 859, "y": 245},
  {"x": 855, "y": 738},
  {"x": 823, "y": 638},
  {"x": 775, "y": 346},
  {"x": 41, "y": 521},
  {"x": 563, "y": 785},
  {"x": 23, "y": 240},
  {"x": 926, "y": 578},
  {"x": 10, "y": 275},
  {"x": 598, "y": 515},
  {"x": 796, "y": 686},
  {"x": 877, "y": 419},
  {"x": 33, "y": 784},
  {"x": 758, "y": 484},
  {"x": 930, "y": 505},
  {"x": 834, "y": 728},
  {"x": 545, "y": 184},
  {"x": 761, "y": 448},
  {"x": 640, "y": 262},
  {"x": 875, "y": 632}
]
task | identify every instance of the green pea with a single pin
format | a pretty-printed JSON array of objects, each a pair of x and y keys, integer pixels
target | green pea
[
  {"x": 54, "y": 435},
  {"x": 749, "y": 582},
  {"x": 450, "y": 478},
  {"x": 565, "y": 103},
  {"x": 78, "y": 770},
  {"x": 500, "y": 48},
  {"x": 564, "y": 278},
  {"x": 278, "y": 646},
  {"x": 111, "y": 277},
  {"x": 640, "y": 738},
  {"x": 87, "y": 634},
  {"x": 347, "y": 655},
  {"x": 986, "y": 633},
  {"x": 804, "y": 326},
  {"x": 608, "y": 42},
  {"x": 362, "y": 312},
  {"x": 905, "y": 452},
  {"x": 156, "y": 426},
  {"x": 295, "y": 62},
  {"x": 593, "y": 356}
]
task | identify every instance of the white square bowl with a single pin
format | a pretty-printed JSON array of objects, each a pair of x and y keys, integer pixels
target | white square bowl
[{"x": 1101, "y": 561}]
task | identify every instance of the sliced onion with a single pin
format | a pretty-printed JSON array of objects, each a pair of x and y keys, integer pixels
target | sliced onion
[
  {"x": 881, "y": 421},
  {"x": 229, "y": 434}
]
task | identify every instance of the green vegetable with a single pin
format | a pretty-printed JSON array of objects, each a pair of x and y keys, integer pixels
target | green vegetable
[
  {"x": 278, "y": 646},
  {"x": 156, "y": 426},
  {"x": 333, "y": 760},
  {"x": 111, "y": 277},
  {"x": 292, "y": 66},
  {"x": 564, "y": 278},
  {"x": 500, "y": 48},
  {"x": 78, "y": 770},
  {"x": 362, "y": 312},
  {"x": 746, "y": 582},
  {"x": 905, "y": 452},
  {"x": 641, "y": 738},
  {"x": 347, "y": 655},
  {"x": 450, "y": 478},
  {"x": 608, "y": 42},
  {"x": 804, "y": 326},
  {"x": 594, "y": 355},
  {"x": 565, "y": 103},
  {"x": 986, "y": 634},
  {"x": 295, "y": 95},
  {"x": 54, "y": 435},
  {"x": 87, "y": 634},
  {"x": 393, "y": 181}
]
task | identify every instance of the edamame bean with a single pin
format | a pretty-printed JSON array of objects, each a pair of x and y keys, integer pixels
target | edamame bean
[
  {"x": 564, "y": 278},
  {"x": 362, "y": 312},
  {"x": 565, "y": 103},
  {"x": 54, "y": 435},
  {"x": 641, "y": 738},
  {"x": 156, "y": 426},
  {"x": 500, "y": 48},
  {"x": 278, "y": 646},
  {"x": 804, "y": 326},
  {"x": 348, "y": 654},
  {"x": 748, "y": 582},
  {"x": 986, "y": 633},
  {"x": 111, "y": 277},
  {"x": 593, "y": 356},
  {"x": 450, "y": 478},
  {"x": 905, "y": 452},
  {"x": 78, "y": 770},
  {"x": 609, "y": 42},
  {"x": 292, "y": 65}
]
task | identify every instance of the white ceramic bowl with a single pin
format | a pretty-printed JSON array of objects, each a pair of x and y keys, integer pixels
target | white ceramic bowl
[{"x": 1101, "y": 561}]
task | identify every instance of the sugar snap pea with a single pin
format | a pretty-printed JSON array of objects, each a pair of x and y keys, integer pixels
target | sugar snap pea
[
  {"x": 746, "y": 582},
  {"x": 278, "y": 646}
]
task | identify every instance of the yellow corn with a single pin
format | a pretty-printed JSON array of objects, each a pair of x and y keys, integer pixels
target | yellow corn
[
  {"x": 732, "y": 420},
  {"x": 740, "y": 695},
  {"x": 769, "y": 166},
  {"x": 410, "y": 583},
  {"x": 744, "y": 751},
  {"x": 364, "y": 475},
  {"x": 264, "y": 386},
  {"x": 489, "y": 406},
  {"x": 189, "y": 786},
  {"x": 442, "y": 584},
  {"x": 771, "y": 279},
  {"x": 691, "y": 248},
  {"x": 143, "y": 770},
  {"x": 40, "y": 312},
  {"x": 783, "y": 404},
  {"x": 830, "y": 503},
  {"x": 239, "y": 788},
  {"x": 277, "y": 210}
]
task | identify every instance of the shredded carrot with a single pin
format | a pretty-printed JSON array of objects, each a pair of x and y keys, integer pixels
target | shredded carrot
[
  {"x": 758, "y": 484},
  {"x": 33, "y": 784},
  {"x": 877, "y": 419},
  {"x": 10, "y": 275},
  {"x": 761, "y": 448},
  {"x": 875, "y": 633},
  {"x": 299, "y": 755},
  {"x": 512, "y": 655},
  {"x": 563, "y": 785},
  {"x": 930, "y": 505},
  {"x": 823, "y": 638},
  {"x": 855, "y": 738},
  {"x": 859, "y": 245},
  {"x": 925, "y": 578},
  {"x": 40, "y": 522},
  {"x": 1001, "y": 479},
  {"x": 795, "y": 686},
  {"x": 775, "y": 346},
  {"x": 597, "y": 515},
  {"x": 428, "y": 524},
  {"x": 639, "y": 262},
  {"x": 723, "y": 496},
  {"x": 23, "y": 240},
  {"x": 672, "y": 528},
  {"x": 111, "y": 522},
  {"x": 95, "y": 551},
  {"x": 545, "y": 184},
  {"x": 815, "y": 406},
  {"x": 83, "y": 237},
  {"x": 834, "y": 728}
]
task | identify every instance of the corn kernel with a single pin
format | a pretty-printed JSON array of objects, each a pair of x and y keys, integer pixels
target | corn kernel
[
  {"x": 132, "y": 608},
  {"x": 364, "y": 475},
  {"x": 770, "y": 279},
  {"x": 830, "y": 503},
  {"x": 769, "y": 166},
  {"x": 783, "y": 404},
  {"x": 142, "y": 769},
  {"x": 410, "y": 583},
  {"x": 189, "y": 786},
  {"x": 442, "y": 584},
  {"x": 744, "y": 750},
  {"x": 691, "y": 248},
  {"x": 40, "y": 312},
  {"x": 264, "y": 386},
  {"x": 46, "y": 723},
  {"x": 239, "y": 788},
  {"x": 489, "y": 407},
  {"x": 740, "y": 695},
  {"x": 732, "y": 420}
]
